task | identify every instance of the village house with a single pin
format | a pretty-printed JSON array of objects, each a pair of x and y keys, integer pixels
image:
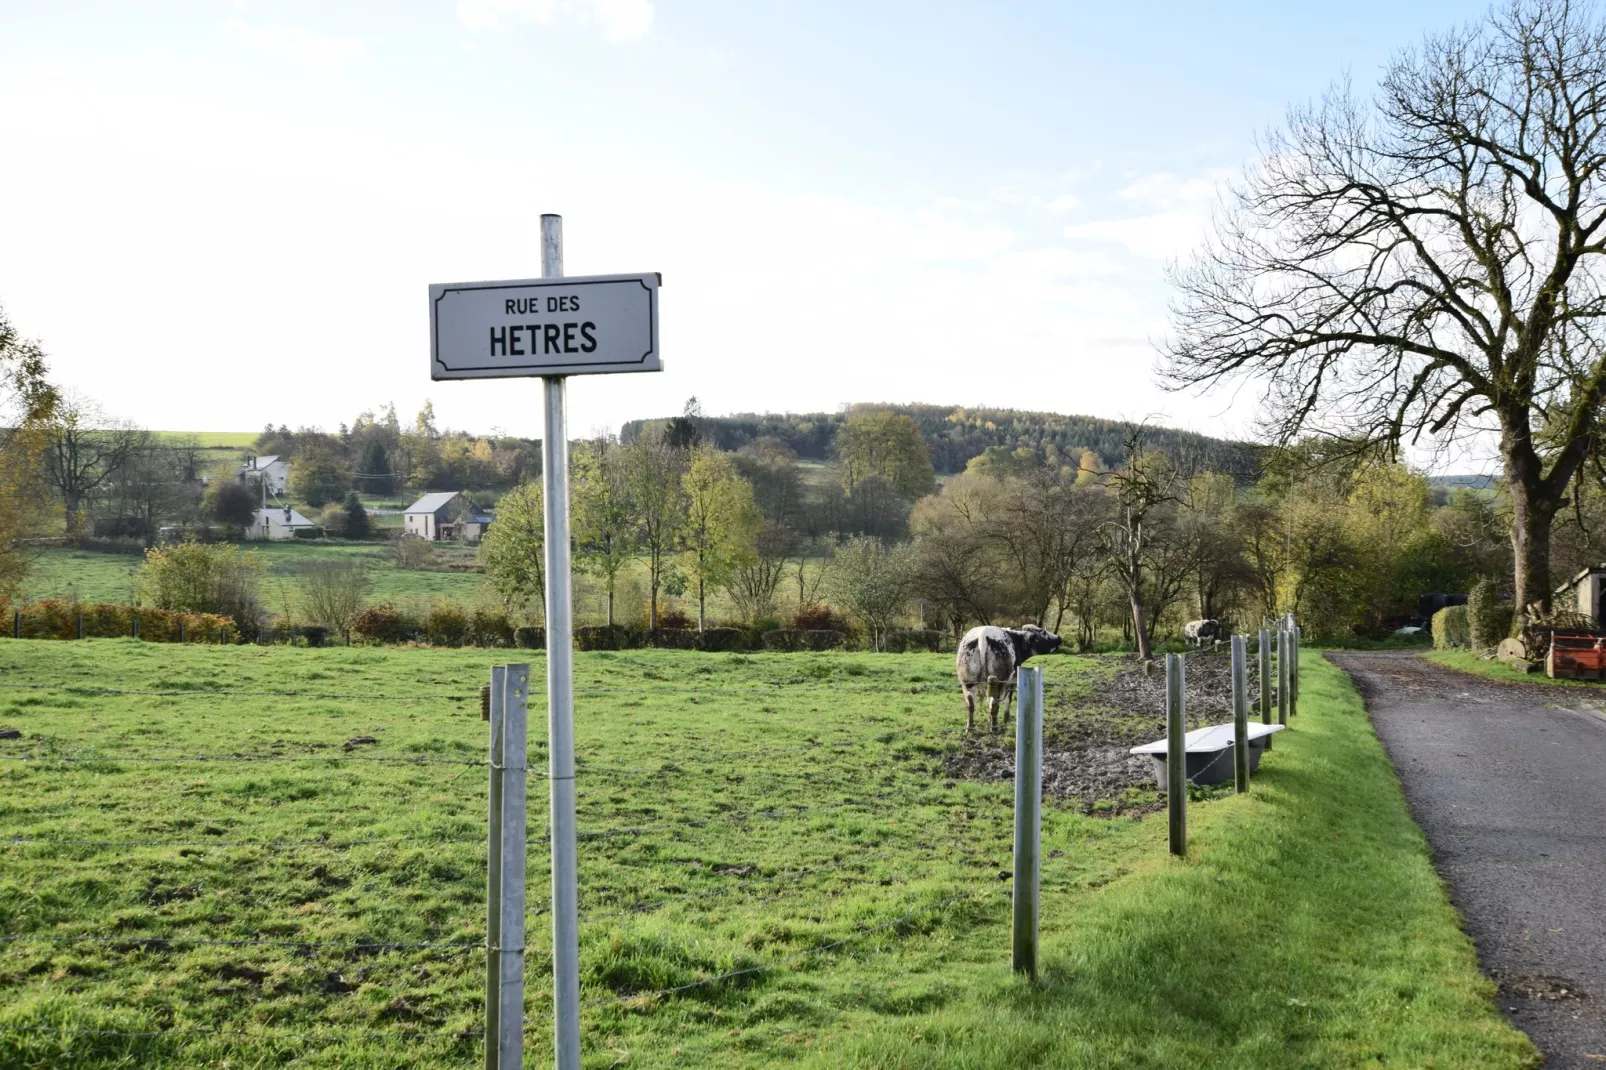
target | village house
[
  {"x": 277, "y": 523},
  {"x": 446, "y": 515},
  {"x": 272, "y": 470},
  {"x": 429, "y": 515}
]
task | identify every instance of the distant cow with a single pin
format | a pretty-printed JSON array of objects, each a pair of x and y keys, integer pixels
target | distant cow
[
  {"x": 987, "y": 660},
  {"x": 1200, "y": 632}
]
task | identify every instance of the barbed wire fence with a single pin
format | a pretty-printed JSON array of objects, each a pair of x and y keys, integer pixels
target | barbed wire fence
[{"x": 743, "y": 889}]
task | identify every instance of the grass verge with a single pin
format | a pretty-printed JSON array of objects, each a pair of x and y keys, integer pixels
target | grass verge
[
  {"x": 782, "y": 814},
  {"x": 1468, "y": 662}
]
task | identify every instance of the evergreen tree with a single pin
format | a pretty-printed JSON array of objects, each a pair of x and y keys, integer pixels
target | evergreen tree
[{"x": 374, "y": 469}]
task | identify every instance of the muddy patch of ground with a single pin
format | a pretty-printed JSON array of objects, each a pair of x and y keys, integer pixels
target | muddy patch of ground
[{"x": 1089, "y": 726}]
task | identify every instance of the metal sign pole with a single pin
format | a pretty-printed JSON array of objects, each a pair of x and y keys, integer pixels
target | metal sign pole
[{"x": 560, "y": 694}]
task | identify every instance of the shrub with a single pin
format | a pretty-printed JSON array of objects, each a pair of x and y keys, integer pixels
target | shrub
[
  {"x": 722, "y": 640},
  {"x": 55, "y": 619},
  {"x": 672, "y": 620},
  {"x": 194, "y": 577},
  {"x": 446, "y": 625},
  {"x": 532, "y": 637},
  {"x": 604, "y": 637},
  {"x": 414, "y": 551},
  {"x": 825, "y": 639},
  {"x": 784, "y": 640},
  {"x": 313, "y": 532},
  {"x": 314, "y": 634},
  {"x": 1488, "y": 621},
  {"x": 1450, "y": 628},
  {"x": 673, "y": 638},
  {"x": 490, "y": 627},
  {"x": 332, "y": 591},
  {"x": 817, "y": 617},
  {"x": 384, "y": 623},
  {"x": 905, "y": 641}
]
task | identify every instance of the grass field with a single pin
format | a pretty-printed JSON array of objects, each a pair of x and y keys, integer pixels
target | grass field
[
  {"x": 787, "y": 814},
  {"x": 1467, "y": 661},
  {"x": 61, "y": 572},
  {"x": 211, "y": 440}
]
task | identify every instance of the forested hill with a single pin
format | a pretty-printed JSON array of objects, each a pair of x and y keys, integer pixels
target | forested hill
[{"x": 957, "y": 434}]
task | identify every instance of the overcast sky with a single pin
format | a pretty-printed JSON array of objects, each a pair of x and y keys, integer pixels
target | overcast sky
[{"x": 216, "y": 215}]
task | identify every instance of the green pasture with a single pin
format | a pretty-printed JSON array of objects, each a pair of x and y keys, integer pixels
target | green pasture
[
  {"x": 61, "y": 572},
  {"x": 211, "y": 440},
  {"x": 787, "y": 815}
]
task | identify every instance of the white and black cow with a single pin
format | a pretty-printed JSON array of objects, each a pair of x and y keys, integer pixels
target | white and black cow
[
  {"x": 987, "y": 660},
  {"x": 1200, "y": 632}
]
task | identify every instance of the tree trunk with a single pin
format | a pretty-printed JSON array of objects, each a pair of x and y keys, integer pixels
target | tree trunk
[
  {"x": 702, "y": 606},
  {"x": 1530, "y": 547},
  {"x": 610, "y": 603},
  {"x": 1139, "y": 629}
]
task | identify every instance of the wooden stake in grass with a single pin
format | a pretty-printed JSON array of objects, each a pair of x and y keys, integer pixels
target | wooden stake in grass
[
  {"x": 1028, "y": 817},
  {"x": 1240, "y": 713},
  {"x": 1176, "y": 754}
]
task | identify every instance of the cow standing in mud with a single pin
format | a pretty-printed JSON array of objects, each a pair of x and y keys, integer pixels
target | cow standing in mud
[
  {"x": 987, "y": 660},
  {"x": 1200, "y": 632}
]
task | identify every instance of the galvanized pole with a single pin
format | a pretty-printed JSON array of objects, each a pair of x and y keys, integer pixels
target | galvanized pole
[
  {"x": 1283, "y": 636},
  {"x": 510, "y": 980},
  {"x": 493, "y": 877},
  {"x": 1265, "y": 676},
  {"x": 1240, "y": 713},
  {"x": 560, "y": 695},
  {"x": 1176, "y": 754},
  {"x": 1293, "y": 671},
  {"x": 1028, "y": 817}
]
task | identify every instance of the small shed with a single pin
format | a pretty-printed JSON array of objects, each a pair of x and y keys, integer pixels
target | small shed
[
  {"x": 430, "y": 515},
  {"x": 470, "y": 527},
  {"x": 272, "y": 470},
  {"x": 276, "y": 524},
  {"x": 1582, "y": 593}
]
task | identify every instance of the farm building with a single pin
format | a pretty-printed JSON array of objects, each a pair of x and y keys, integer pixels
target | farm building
[
  {"x": 430, "y": 515},
  {"x": 276, "y": 523},
  {"x": 272, "y": 470},
  {"x": 1583, "y": 592}
]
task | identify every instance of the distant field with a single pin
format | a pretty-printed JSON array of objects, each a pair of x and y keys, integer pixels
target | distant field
[
  {"x": 169, "y": 903},
  {"x": 212, "y": 439},
  {"x": 97, "y": 577}
]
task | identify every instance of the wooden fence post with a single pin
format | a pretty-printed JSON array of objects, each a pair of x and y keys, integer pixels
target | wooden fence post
[{"x": 1176, "y": 753}]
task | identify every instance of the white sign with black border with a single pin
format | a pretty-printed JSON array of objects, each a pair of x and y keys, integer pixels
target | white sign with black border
[{"x": 578, "y": 325}]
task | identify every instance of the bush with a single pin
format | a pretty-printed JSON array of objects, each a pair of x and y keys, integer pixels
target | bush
[
  {"x": 1488, "y": 621},
  {"x": 782, "y": 640},
  {"x": 314, "y": 634},
  {"x": 722, "y": 640},
  {"x": 384, "y": 623},
  {"x": 1450, "y": 628},
  {"x": 824, "y": 639},
  {"x": 532, "y": 637},
  {"x": 673, "y": 638},
  {"x": 332, "y": 591},
  {"x": 603, "y": 637},
  {"x": 56, "y": 619},
  {"x": 194, "y": 577},
  {"x": 414, "y": 551},
  {"x": 819, "y": 617},
  {"x": 313, "y": 532},
  {"x": 445, "y": 625},
  {"x": 672, "y": 620},
  {"x": 490, "y": 627},
  {"x": 930, "y": 641}
]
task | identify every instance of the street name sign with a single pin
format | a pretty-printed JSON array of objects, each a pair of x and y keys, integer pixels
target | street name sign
[{"x": 579, "y": 325}]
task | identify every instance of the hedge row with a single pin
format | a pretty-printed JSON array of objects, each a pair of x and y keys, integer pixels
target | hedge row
[
  {"x": 55, "y": 619},
  {"x": 1450, "y": 628}
]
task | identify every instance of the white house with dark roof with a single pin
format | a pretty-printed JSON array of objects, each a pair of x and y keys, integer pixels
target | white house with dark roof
[
  {"x": 272, "y": 470},
  {"x": 277, "y": 523},
  {"x": 429, "y": 515}
]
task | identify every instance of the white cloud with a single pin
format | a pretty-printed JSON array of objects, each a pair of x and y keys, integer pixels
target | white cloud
[
  {"x": 294, "y": 42},
  {"x": 619, "y": 20},
  {"x": 1161, "y": 236}
]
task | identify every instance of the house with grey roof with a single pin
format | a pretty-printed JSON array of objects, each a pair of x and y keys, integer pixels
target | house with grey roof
[
  {"x": 271, "y": 470},
  {"x": 430, "y": 517}
]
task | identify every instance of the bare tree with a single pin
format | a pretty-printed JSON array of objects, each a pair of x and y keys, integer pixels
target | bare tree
[
  {"x": 1429, "y": 262},
  {"x": 84, "y": 451},
  {"x": 1144, "y": 486}
]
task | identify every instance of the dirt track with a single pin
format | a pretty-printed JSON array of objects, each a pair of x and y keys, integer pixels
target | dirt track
[{"x": 1508, "y": 781}]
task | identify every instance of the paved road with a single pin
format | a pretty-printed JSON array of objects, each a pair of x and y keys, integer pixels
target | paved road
[{"x": 1508, "y": 781}]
